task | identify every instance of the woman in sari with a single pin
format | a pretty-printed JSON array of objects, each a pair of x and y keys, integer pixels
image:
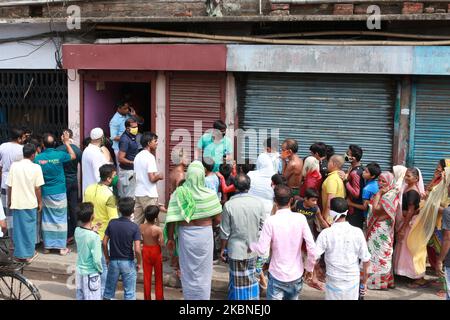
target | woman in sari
[
  {"x": 380, "y": 233},
  {"x": 403, "y": 258},
  {"x": 434, "y": 245},
  {"x": 193, "y": 209},
  {"x": 312, "y": 177}
]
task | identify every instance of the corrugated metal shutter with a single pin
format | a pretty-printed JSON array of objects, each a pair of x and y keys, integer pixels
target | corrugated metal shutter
[
  {"x": 432, "y": 124},
  {"x": 337, "y": 109},
  {"x": 193, "y": 97}
]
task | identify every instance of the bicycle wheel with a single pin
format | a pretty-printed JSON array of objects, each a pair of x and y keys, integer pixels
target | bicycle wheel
[{"x": 14, "y": 286}]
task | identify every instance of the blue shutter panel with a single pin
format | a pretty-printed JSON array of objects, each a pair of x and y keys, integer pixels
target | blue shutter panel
[
  {"x": 432, "y": 127},
  {"x": 337, "y": 109}
]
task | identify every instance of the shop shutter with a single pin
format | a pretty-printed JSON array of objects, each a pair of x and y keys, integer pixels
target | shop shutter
[
  {"x": 431, "y": 128},
  {"x": 338, "y": 110},
  {"x": 193, "y": 97}
]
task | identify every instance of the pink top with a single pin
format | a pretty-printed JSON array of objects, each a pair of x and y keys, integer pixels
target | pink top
[{"x": 285, "y": 232}]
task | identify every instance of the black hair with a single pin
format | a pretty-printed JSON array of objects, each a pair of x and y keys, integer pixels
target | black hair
[
  {"x": 374, "y": 169},
  {"x": 242, "y": 182},
  {"x": 151, "y": 213},
  {"x": 338, "y": 204},
  {"x": 85, "y": 211},
  {"x": 15, "y": 133},
  {"x": 106, "y": 171},
  {"x": 28, "y": 150},
  {"x": 86, "y": 142},
  {"x": 357, "y": 151},
  {"x": 442, "y": 163},
  {"x": 129, "y": 122},
  {"x": 208, "y": 163},
  {"x": 271, "y": 142},
  {"x": 225, "y": 170},
  {"x": 329, "y": 151},
  {"x": 320, "y": 148},
  {"x": 36, "y": 140},
  {"x": 279, "y": 179},
  {"x": 69, "y": 131},
  {"x": 311, "y": 193},
  {"x": 219, "y": 125},
  {"x": 148, "y": 137},
  {"x": 414, "y": 171},
  {"x": 291, "y": 144},
  {"x": 121, "y": 103},
  {"x": 47, "y": 137},
  {"x": 126, "y": 206},
  {"x": 282, "y": 195},
  {"x": 246, "y": 167}
]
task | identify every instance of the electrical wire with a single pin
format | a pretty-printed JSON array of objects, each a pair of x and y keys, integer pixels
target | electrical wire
[{"x": 28, "y": 54}]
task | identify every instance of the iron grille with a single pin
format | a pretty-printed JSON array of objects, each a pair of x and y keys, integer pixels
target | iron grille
[{"x": 35, "y": 99}]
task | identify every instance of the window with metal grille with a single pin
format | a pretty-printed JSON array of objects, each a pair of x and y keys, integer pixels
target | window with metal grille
[{"x": 35, "y": 99}]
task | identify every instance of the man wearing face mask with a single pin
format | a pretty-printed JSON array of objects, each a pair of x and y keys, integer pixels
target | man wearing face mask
[
  {"x": 344, "y": 246},
  {"x": 354, "y": 184},
  {"x": 128, "y": 149},
  {"x": 105, "y": 206}
]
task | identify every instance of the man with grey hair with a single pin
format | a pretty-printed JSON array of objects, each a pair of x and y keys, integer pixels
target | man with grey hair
[
  {"x": 242, "y": 219},
  {"x": 333, "y": 186}
]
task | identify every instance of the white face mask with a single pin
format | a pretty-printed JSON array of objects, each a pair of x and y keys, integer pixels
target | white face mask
[{"x": 336, "y": 215}]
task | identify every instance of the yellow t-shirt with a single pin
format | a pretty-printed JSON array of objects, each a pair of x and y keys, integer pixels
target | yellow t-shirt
[
  {"x": 333, "y": 184},
  {"x": 105, "y": 205}
]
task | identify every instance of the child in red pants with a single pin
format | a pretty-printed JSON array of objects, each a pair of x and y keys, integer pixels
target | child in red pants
[{"x": 151, "y": 253}]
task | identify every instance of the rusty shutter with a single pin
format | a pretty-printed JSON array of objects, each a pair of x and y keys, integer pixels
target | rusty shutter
[{"x": 192, "y": 98}]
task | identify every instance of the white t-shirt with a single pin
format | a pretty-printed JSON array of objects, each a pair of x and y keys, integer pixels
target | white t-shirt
[
  {"x": 145, "y": 163},
  {"x": 91, "y": 161},
  {"x": 343, "y": 245},
  {"x": 9, "y": 152},
  {"x": 2, "y": 216}
]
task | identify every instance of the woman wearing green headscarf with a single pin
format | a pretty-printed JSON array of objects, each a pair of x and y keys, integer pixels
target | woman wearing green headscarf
[{"x": 193, "y": 209}]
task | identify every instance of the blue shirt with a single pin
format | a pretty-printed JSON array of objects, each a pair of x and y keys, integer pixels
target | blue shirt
[
  {"x": 215, "y": 151},
  {"x": 52, "y": 164},
  {"x": 212, "y": 182},
  {"x": 71, "y": 168},
  {"x": 117, "y": 127},
  {"x": 370, "y": 189},
  {"x": 122, "y": 233},
  {"x": 129, "y": 145}
]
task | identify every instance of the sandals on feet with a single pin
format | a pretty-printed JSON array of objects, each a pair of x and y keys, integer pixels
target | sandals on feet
[{"x": 64, "y": 252}]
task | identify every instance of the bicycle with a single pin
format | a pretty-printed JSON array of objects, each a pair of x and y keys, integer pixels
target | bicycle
[{"x": 13, "y": 284}]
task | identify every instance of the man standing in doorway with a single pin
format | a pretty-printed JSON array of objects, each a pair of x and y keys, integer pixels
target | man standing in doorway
[
  {"x": 354, "y": 184},
  {"x": 9, "y": 152},
  {"x": 147, "y": 176},
  {"x": 292, "y": 165},
  {"x": 71, "y": 173},
  {"x": 128, "y": 149},
  {"x": 92, "y": 159},
  {"x": 117, "y": 123},
  {"x": 215, "y": 145}
]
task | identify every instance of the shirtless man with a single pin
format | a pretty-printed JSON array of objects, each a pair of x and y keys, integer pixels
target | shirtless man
[
  {"x": 178, "y": 173},
  {"x": 292, "y": 164}
]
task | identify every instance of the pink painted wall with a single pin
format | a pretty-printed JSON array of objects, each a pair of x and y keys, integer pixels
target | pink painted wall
[{"x": 99, "y": 105}]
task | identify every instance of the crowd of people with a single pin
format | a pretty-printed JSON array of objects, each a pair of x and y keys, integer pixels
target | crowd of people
[{"x": 279, "y": 224}]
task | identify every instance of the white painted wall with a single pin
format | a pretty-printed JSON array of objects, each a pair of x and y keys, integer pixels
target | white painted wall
[
  {"x": 230, "y": 106},
  {"x": 28, "y": 54},
  {"x": 160, "y": 130},
  {"x": 73, "y": 92}
]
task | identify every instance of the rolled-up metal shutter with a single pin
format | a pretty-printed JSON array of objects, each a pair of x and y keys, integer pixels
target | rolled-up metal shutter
[
  {"x": 193, "y": 97},
  {"x": 338, "y": 110},
  {"x": 430, "y": 124}
]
